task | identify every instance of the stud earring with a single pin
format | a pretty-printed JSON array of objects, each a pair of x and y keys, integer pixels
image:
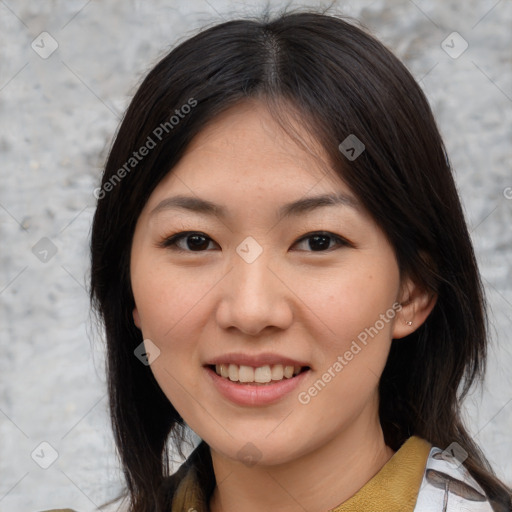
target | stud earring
[{"x": 409, "y": 323}]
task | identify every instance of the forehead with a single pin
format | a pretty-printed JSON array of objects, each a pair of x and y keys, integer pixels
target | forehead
[{"x": 244, "y": 147}]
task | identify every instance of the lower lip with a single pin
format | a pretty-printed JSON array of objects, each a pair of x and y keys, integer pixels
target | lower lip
[{"x": 255, "y": 394}]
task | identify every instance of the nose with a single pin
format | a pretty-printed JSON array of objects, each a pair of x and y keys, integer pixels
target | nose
[{"x": 254, "y": 297}]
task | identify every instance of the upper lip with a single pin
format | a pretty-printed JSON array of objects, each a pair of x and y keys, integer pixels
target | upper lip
[{"x": 255, "y": 360}]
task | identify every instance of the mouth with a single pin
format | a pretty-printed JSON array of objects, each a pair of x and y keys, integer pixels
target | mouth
[{"x": 261, "y": 375}]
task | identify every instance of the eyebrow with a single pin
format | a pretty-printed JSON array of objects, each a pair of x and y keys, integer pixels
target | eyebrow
[{"x": 295, "y": 208}]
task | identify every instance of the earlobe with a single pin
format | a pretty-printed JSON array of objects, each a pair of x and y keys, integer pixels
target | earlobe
[
  {"x": 136, "y": 317},
  {"x": 417, "y": 303}
]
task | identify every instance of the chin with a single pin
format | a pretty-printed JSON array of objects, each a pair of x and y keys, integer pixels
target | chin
[{"x": 254, "y": 452}]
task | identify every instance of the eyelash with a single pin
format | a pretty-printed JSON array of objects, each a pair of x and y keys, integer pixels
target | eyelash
[{"x": 170, "y": 242}]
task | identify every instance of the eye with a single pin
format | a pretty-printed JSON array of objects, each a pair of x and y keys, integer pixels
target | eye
[
  {"x": 319, "y": 241},
  {"x": 195, "y": 241}
]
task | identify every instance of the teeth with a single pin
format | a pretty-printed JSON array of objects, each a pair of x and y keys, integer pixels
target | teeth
[
  {"x": 245, "y": 373},
  {"x": 233, "y": 372},
  {"x": 223, "y": 370},
  {"x": 277, "y": 372},
  {"x": 261, "y": 375}
]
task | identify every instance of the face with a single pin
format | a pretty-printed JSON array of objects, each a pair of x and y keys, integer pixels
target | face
[{"x": 303, "y": 298}]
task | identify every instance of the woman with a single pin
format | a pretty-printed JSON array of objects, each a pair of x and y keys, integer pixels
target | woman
[{"x": 281, "y": 263}]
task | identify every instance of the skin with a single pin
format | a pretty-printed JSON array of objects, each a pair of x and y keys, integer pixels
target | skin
[{"x": 292, "y": 300}]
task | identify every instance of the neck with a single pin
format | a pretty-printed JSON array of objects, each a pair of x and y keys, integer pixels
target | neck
[{"x": 317, "y": 481}]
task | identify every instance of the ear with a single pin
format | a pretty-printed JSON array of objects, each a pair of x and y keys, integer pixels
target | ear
[
  {"x": 136, "y": 317},
  {"x": 417, "y": 303}
]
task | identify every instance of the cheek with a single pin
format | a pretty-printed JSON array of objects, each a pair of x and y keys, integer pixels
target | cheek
[
  {"x": 173, "y": 309},
  {"x": 347, "y": 301},
  {"x": 170, "y": 310},
  {"x": 168, "y": 301},
  {"x": 353, "y": 318}
]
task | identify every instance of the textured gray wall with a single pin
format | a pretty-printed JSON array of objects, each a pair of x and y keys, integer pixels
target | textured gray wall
[{"x": 58, "y": 115}]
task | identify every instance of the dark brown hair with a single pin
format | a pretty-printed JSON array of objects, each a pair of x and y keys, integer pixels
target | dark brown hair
[{"x": 336, "y": 80}]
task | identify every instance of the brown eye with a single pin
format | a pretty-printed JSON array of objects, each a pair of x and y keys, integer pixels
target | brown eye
[
  {"x": 321, "y": 241},
  {"x": 194, "y": 242}
]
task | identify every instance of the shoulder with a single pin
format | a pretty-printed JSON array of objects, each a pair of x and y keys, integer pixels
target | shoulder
[{"x": 448, "y": 486}]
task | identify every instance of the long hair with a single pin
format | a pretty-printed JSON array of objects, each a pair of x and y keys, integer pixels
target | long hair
[{"x": 336, "y": 80}]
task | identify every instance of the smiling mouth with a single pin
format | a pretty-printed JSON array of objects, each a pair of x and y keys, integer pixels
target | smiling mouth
[{"x": 266, "y": 374}]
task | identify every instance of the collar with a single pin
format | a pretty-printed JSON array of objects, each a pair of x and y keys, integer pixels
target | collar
[{"x": 447, "y": 485}]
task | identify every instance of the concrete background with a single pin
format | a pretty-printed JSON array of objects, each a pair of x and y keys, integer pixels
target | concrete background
[{"x": 58, "y": 115}]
